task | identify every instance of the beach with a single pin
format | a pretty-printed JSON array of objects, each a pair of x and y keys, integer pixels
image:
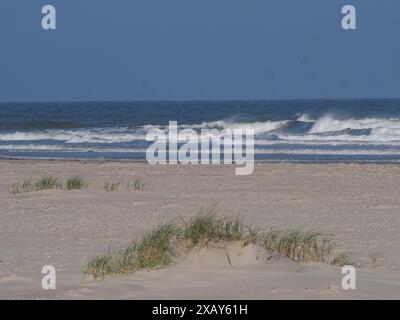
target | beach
[{"x": 357, "y": 203}]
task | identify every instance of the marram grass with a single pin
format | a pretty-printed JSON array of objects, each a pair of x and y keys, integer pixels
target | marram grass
[
  {"x": 136, "y": 185},
  {"x": 43, "y": 183},
  {"x": 299, "y": 245},
  {"x": 162, "y": 245},
  {"x": 47, "y": 183},
  {"x": 206, "y": 227},
  {"x": 156, "y": 249},
  {"x": 111, "y": 186},
  {"x": 75, "y": 183}
]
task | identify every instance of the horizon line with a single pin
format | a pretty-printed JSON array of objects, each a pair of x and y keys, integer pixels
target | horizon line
[{"x": 192, "y": 100}]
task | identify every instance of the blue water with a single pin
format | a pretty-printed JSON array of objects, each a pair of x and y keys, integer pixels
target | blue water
[{"x": 330, "y": 130}]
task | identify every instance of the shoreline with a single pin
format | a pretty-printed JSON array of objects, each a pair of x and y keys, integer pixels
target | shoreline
[{"x": 256, "y": 161}]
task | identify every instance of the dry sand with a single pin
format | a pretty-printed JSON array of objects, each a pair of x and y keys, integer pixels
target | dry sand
[{"x": 358, "y": 203}]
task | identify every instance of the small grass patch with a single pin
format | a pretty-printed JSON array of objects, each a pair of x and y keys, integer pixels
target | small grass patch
[
  {"x": 47, "y": 183},
  {"x": 208, "y": 227},
  {"x": 101, "y": 265},
  {"x": 108, "y": 263},
  {"x": 43, "y": 183},
  {"x": 111, "y": 186},
  {"x": 74, "y": 183},
  {"x": 157, "y": 248},
  {"x": 343, "y": 259},
  {"x": 136, "y": 185},
  {"x": 22, "y": 187},
  {"x": 299, "y": 245}
]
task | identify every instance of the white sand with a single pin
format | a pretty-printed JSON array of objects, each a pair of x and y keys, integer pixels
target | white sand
[{"x": 358, "y": 203}]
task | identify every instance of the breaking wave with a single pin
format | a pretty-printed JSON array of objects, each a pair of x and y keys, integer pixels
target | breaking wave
[
  {"x": 325, "y": 129},
  {"x": 126, "y": 134},
  {"x": 297, "y": 134}
]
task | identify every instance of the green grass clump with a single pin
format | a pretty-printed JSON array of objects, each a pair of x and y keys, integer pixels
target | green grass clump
[
  {"x": 343, "y": 259},
  {"x": 157, "y": 248},
  {"x": 205, "y": 228},
  {"x": 22, "y": 187},
  {"x": 43, "y": 183},
  {"x": 299, "y": 245},
  {"x": 47, "y": 183},
  {"x": 100, "y": 265},
  {"x": 201, "y": 228},
  {"x": 136, "y": 185},
  {"x": 108, "y": 263},
  {"x": 74, "y": 183},
  {"x": 111, "y": 186}
]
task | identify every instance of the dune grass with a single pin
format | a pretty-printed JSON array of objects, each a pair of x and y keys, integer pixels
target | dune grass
[
  {"x": 155, "y": 250},
  {"x": 161, "y": 246},
  {"x": 43, "y": 183},
  {"x": 47, "y": 183},
  {"x": 120, "y": 262},
  {"x": 344, "y": 259},
  {"x": 75, "y": 183},
  {"x": 101, "y": 265},
  {"x": 111, "y": 186},
  {"x": 206, "y": 227},
  {"x": 299, "y": 245},
  {"x": 136, "y": 185},
  {"x": 71, "y": 183},
  {"x": 22, "y": 187}
]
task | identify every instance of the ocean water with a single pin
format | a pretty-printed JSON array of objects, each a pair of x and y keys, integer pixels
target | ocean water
[{"x": 328, "y": 130}]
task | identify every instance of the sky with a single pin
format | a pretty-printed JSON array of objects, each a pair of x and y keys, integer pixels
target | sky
[{"x": 198, "y": 50}]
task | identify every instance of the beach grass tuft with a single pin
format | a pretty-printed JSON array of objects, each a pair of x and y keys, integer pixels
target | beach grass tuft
[
  {"x": 111, "y": 186},
  {"x": 299, "y": 245},
  {"x": 47, "y": 183},
  {"x": 136, "y": 185},
  {"x": 22, "y": 187},
  {"x": 208, "y": 227},
  {"x": 101, "y": 265},
  {"x": 157, "y": 248},
  {"x": 43, "y": 183},
  {"x": 120, "y": 262},
  {"x": 343, "y": 259},
  {"x": 75, "y": 183}
]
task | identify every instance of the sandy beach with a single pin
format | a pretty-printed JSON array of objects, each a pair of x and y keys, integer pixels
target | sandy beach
[{"x": 359, "y": 204}]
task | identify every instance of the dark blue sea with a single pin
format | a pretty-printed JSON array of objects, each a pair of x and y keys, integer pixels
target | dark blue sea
[{"x": 326, "y": 130}]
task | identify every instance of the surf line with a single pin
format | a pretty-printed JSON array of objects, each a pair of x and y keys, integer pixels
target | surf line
[{"x": 187, "y": 146}]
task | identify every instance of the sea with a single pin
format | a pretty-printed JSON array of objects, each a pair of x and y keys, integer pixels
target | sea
[{"x": 358, "y": 130}]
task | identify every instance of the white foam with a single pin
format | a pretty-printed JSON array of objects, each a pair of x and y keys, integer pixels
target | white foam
[
  {"x": 329, "y": 152},
  {"x": 124, "y": 134},
  {"x": 75, "y": 136},
  {"x": 329, "y": 124},
  {"x": 305, "y": 118},
  {"x": 258, "y": 127},
  {"x": 326, "y": 130}
]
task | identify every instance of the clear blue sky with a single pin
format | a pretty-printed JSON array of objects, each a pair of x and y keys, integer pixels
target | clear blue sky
[{"x": 198, "y": 49}]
